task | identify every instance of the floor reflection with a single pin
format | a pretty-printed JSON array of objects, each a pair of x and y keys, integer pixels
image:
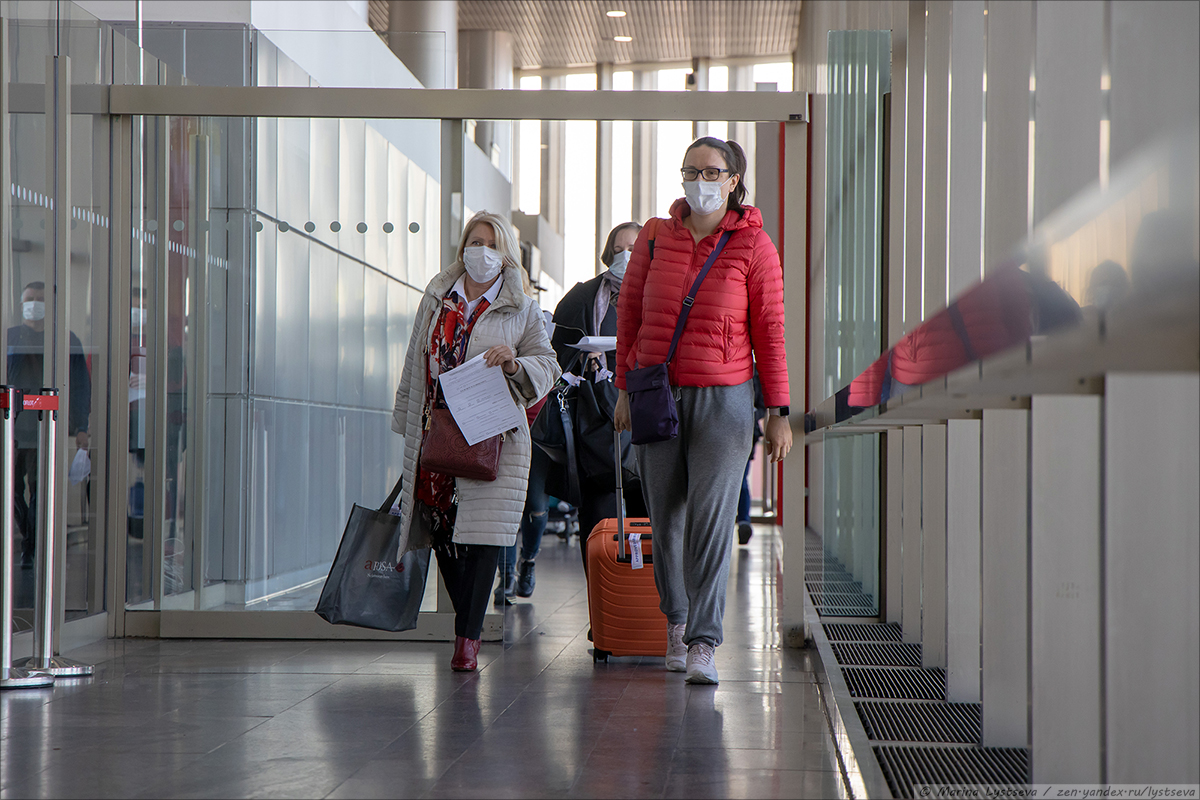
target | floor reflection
[{"x": 242, "y": 718}]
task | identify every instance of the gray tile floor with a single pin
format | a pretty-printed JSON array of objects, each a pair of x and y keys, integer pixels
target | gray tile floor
[{"x": 238, "y": 718}]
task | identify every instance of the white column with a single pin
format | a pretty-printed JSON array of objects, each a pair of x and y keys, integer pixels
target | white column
[
  {"x": 937, "y": 154},
  {"x": 794, "y": 511},
  {"x": 1065, "y": 589},
  {"x": 604, "y": 161},
  {"x": 914, "y": 166},
  {"x": 967, "y": 54},
  {"x": 894, "y": 524},
  {"x": 910, "y": 587},
  {"x": 963, "y": 577},
  {"x": 645, "y": 155},
  {"x": 1155, "y": 71},
  {"x": 1006, "y": 188},
  {"x": 1005, "y": 577},
  {"x": 426, "y": 39},
  {"x": 1070, "y": 58},
  {"x": 894, "y": 213},
  {"x": 933, "y": 546},
  {"x": 1152, "y": 596}
]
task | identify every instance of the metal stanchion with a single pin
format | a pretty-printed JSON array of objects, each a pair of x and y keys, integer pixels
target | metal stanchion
[
  {"x": 44, "y": 659},
  {"x": 11, "y": 677}
]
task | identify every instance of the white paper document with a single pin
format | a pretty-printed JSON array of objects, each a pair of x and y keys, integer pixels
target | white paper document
[
  {"x": 479, "y": 400},
  {"x": 597, "y": 344}
]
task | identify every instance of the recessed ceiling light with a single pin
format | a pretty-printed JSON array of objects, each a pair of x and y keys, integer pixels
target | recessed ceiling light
[
  {"x": 615, "y": 13},
  {"x": 622, "y": 38}
]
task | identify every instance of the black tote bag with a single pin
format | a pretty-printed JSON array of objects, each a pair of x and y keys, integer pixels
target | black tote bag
[{"x": 367, "y": 586}]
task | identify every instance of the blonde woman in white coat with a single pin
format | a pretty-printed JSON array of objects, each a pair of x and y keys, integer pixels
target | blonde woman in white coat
[{"x": 475, "y": 306}]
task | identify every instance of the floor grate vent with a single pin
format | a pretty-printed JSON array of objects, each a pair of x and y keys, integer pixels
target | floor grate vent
[
  {"x": 944, "y": 723},
  {"x": 834, "y": 584},
  {"x": 906, "y": 767},
  {"x": 827, "y": 609},
  {"x": 877, "y": 654},
  {"x": 842, "y": 632},
  {"x": 896, "y": 684},
  {"x": 819, "y": 595}
]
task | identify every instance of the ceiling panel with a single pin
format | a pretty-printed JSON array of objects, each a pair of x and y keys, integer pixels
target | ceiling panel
[{"x": 568, "y": 33}]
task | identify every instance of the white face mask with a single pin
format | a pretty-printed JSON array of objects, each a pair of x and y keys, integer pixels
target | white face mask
[
  {"x": 33, "y": 310},
  {"x": 620, "y": 263},
  {"x": 704, "y": 197},
  {"x": 483, "y": 263}
]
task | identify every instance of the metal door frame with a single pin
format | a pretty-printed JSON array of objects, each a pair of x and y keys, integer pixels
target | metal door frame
[{"x": 126, "y": 104}]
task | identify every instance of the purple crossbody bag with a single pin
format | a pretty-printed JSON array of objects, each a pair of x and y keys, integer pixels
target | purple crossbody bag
[{"x": 652, "y": 411}]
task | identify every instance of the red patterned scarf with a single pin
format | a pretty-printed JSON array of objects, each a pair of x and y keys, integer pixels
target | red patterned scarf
[{"x": 448, "y": 344}]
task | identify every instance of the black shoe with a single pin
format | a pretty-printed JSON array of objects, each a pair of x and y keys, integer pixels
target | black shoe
[
  {"x": 503, "y": 596},
  {"x": 744, "y": 532},
  {"x": 525, "y": 579}
]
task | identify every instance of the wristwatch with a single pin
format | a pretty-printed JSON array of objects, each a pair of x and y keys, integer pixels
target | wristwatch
[{"x": 779, "y": 411}]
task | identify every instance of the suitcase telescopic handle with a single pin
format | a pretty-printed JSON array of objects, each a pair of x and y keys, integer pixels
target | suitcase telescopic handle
[{"x": 620, "y": 492}]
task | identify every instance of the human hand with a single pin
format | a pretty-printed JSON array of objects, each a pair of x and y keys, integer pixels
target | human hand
[
  {"x": 81, "y": 440},
  {"x": 621, "y": 419},
  {"x": 778, "y": 438},
  {"x": 502, "y": 356}
]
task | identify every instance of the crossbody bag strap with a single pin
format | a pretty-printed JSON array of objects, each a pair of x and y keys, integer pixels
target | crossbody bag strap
[{"x": 691, "y": 297}]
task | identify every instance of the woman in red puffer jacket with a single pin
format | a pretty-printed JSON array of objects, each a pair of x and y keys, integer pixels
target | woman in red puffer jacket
[{"x": 691, "y": 482}]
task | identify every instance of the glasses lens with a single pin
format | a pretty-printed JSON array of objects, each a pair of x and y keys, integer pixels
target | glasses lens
[
  {"x": 688, "y": 174},
  {"x": 711, "y": 174}
]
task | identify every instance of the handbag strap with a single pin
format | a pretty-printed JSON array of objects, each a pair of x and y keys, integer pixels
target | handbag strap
[
  {"x": 574, "y": 494},
  {"x": 691, "y": 297},
  {"x": 391, "y": 498}
]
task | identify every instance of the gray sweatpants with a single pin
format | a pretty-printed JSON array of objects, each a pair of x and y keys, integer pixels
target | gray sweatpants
[{"x": 691, "y": 484}]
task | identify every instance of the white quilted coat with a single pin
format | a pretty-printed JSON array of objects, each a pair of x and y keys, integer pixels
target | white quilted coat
[{"x": 489, "y": 512}]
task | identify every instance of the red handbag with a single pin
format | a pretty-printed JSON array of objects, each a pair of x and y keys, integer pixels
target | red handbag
[{"x": 445, "y": 450}]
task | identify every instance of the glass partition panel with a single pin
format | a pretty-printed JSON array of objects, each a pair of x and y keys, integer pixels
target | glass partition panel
[
  {"x": 859, "y": 76},
  {"x": 36, "y": 32},
  {"x": 289, "y": 303}
]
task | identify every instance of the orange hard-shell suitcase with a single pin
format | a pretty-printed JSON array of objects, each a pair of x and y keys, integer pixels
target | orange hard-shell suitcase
[{"x": 623, "y": 601}]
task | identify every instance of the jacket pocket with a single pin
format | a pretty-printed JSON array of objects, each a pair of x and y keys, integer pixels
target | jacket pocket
[{"x": 727, "y": 339}]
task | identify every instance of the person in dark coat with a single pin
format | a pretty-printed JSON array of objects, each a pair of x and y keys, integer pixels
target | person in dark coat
[
  {"x": 590, "y": 309},
  {"x": 26, "y": 346}
]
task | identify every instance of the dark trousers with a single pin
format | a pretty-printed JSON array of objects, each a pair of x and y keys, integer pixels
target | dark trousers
[
  {"x": 26, "y": 470},
  {"x": 468, "y": 575}
]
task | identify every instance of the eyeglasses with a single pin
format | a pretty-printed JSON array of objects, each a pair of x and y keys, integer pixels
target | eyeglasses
[{"x": 708, "y": 173}]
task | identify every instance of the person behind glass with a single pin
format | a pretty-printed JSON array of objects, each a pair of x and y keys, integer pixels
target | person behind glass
[
  {"x": 26, "y": 347},
  {"x": 590, "y": 309},
  {"x": 473, "y": 307},
  {"x": 691, "y": 482}
]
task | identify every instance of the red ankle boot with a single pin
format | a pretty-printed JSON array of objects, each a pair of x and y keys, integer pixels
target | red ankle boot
[{"x": 465, "y": 654}]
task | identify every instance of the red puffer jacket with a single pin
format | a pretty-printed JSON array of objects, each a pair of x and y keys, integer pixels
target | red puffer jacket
[{"x": 738, "y": 310}]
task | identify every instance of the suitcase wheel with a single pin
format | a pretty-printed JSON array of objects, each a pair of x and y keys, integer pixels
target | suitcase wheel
[{"x": 599, "y": 655}]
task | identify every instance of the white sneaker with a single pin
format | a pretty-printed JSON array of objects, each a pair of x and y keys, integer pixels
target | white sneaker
[
  {"x": 676, "y": 650},
  {"x": 701, "y": 665}
]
